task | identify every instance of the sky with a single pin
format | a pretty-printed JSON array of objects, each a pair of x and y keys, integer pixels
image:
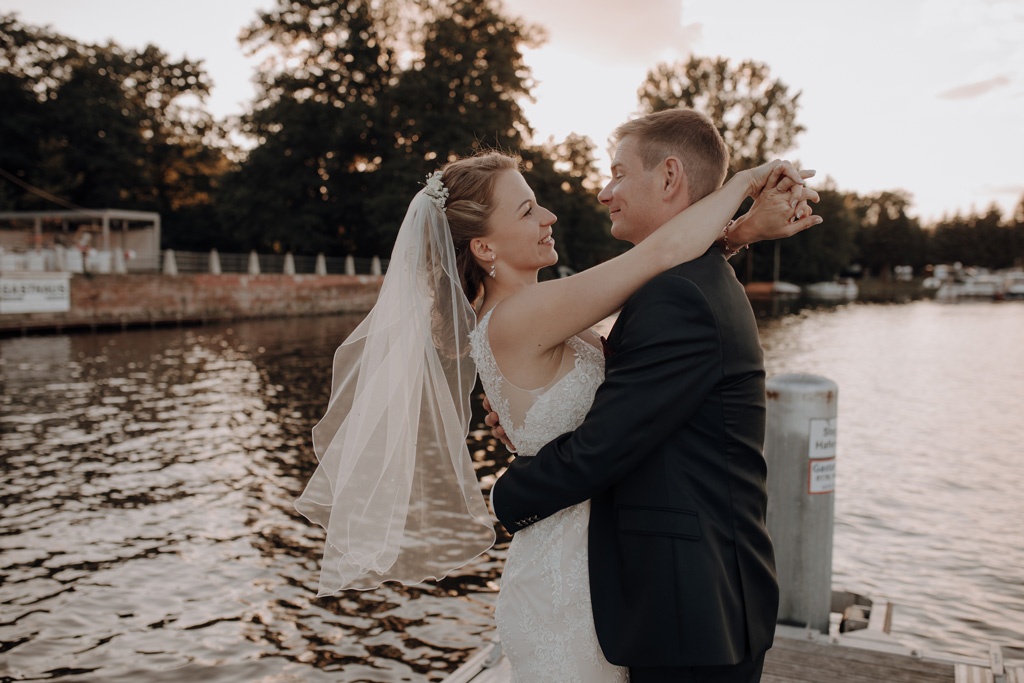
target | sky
[{"x": 924, "y": 96}]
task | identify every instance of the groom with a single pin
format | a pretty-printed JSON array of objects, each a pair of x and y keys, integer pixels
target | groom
[{"x": 682, "y": 572}]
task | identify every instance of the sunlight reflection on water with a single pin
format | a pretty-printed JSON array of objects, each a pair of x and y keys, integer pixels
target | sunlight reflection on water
[
  {"x": 929, "y": 469},
  {"x": 148, "y": 531}
]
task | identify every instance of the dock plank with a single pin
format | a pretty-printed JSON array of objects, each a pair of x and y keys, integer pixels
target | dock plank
[
  {"x": 795, "y": 660},
  {"x": 801, "y": 661}
]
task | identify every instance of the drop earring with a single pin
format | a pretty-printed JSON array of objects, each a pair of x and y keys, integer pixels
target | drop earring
[{"x": 493, "y": 258}]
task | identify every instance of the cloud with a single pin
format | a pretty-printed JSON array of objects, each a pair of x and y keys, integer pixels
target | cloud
[
  {"x": 1015, "y": 190},
  {"x": 613, "y": 31},
  {"x": 972, "y": 90}
]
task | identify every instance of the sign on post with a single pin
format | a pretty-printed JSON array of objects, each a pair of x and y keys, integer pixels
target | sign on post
[{"x": 821, "y": 451}]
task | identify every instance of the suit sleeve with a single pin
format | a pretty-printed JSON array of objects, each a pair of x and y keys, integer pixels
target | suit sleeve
[{"x": 666, "y": 362}]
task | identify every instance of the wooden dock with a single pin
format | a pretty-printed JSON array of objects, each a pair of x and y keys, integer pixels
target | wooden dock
[
  {"x": 796, "y": 660},
  {"x": 802, "y": 656}
]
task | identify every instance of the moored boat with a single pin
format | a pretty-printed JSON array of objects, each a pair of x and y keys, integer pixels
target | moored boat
[
  {"x": 1013, "y": 285},
  {"x": 835, "y": 290},
  {"x": 1001, "y": 285},
  {"x": 764, "y": 290}
]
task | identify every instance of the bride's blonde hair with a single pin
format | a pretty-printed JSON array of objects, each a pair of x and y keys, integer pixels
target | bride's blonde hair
[{"x": 470, "y": 184}]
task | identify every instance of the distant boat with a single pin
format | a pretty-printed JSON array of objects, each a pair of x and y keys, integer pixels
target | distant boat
[
  {"x": 1005, "y": 285},
  {"x": 776, "y": 289},
  {"x": 846, "y": 290},
  {"x": 766, "y": 290},
  {"x": 982, "y": 286},
  {"x": 1013, "y": 285}
]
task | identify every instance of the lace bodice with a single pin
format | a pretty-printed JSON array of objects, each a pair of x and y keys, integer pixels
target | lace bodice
[
  {"x": 543, "y": 611},
  {"x": 533, "y": 417}
]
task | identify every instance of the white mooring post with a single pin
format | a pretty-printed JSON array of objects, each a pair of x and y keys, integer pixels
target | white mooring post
[
  {"x": 800, "y": 448},
  {"x": 375, "y": 265},
  {"x": 350, "y": 265},
  {"x": 321, "y": 265},
  {"x": 118, "y": 263},
  {"x": 170, "y": 264},
  {"x": 60, "y": 259},
  {"x": 289, "y": 264},
  {"x": 214, "y": 262},
  {"x": 254, "y": 263}
]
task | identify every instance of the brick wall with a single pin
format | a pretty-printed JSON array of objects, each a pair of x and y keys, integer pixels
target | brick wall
[{"x": 129, "y": 300}]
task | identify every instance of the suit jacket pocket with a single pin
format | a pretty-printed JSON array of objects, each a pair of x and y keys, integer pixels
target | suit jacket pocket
[{"x": 651, "y": 521}]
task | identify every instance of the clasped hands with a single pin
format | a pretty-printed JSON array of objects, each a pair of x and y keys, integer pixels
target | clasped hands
[{"x": 781, "y": 204}]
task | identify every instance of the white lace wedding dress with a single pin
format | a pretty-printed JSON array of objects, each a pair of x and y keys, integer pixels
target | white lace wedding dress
[{"x": 543, "y": 612}]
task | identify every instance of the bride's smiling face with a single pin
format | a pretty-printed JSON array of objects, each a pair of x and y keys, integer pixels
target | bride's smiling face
[{"x": 519, "y": 234}]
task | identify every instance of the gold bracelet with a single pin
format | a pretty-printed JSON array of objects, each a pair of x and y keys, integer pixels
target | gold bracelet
[{"x": 730, "y": 251}]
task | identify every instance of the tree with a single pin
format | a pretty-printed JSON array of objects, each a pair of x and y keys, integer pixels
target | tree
[
  {"x": 755, "y": 113},
  {"x": 1017, "y": 234},
  {"x": 821, "y": 253},
  {"x": 888, "y": 237},
  {"x": 565, "y": 180},
  {"x": 990, "y": 240},
  {"x": 68, "y": 109},
  {"x": 20, "y": 130},
  {"x": 949, "y": 240},
  {"x": 342, "y": 128},
  {"x": 104, "y": 126},
  {"x": 983, "y": 240},
  {"x": 319, "y": 122},
  {"x": 462, "y": 92},
  {"x": 459, "y": 95},
  {"x": 358, "y": 100}
]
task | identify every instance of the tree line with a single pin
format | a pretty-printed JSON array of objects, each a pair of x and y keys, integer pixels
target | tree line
[{"x": 357, "y": 101}]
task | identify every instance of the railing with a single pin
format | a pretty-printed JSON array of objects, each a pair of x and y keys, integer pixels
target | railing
[
  {"x": 175, "y": 262},
  {"x": 172, "y": 262}
]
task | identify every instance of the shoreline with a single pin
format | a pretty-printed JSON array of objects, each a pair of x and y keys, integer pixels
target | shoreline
[
  {"x": 118, "y": 302},
  {"x": 150, "y": 300}
]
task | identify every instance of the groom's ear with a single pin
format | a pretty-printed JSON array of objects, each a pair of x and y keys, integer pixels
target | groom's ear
[{"x": 675, "y": 183}]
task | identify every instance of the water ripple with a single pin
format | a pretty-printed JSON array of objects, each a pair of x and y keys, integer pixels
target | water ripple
[{"x": 148, "y": 531}]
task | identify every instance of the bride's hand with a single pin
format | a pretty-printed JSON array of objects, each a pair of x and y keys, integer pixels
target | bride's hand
[
  {"x": 771, "y": 175},
  {"x": 779, "y": 211}
]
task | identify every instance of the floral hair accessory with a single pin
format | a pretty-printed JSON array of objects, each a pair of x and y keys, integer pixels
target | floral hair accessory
[{"x": 436, "y": 190}]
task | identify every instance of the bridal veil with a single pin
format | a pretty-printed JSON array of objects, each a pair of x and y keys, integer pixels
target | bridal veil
[{"x": 395, "y": 487}]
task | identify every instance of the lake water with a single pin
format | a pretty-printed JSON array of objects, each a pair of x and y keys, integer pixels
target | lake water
[{"x": 148, "y": 534}]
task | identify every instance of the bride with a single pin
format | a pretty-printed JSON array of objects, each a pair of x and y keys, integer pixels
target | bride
[{"x": 395, "y": 487}]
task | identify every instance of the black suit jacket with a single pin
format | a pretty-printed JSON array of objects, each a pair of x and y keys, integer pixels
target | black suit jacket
[{"x": 682, "y": 571}]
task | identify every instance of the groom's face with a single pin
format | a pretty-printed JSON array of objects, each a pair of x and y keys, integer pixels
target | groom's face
[{"x": 633, "y": 195}]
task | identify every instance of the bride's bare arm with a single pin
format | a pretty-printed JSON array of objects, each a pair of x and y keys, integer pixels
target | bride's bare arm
[{"x": 539, "y": 318}]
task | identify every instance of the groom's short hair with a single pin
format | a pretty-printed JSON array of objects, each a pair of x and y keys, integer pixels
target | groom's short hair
[{"x": 686, "y": 134}]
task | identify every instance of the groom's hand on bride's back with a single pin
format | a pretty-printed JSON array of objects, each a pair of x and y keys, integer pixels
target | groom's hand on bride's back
[{"x": 497, "y": 431}]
